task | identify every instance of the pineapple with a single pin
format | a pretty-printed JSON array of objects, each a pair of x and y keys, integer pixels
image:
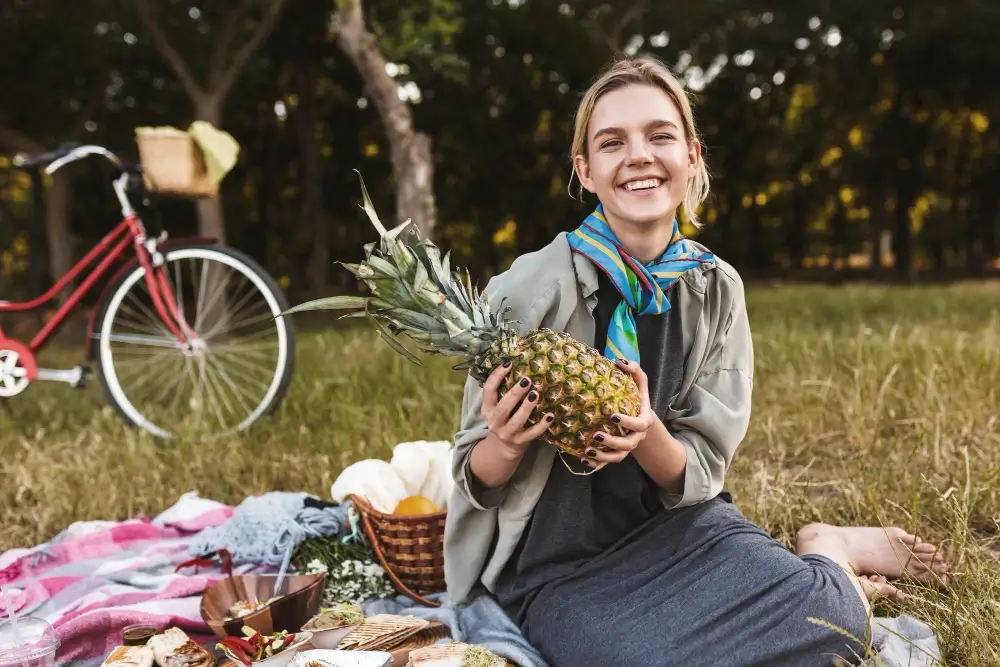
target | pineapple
[{"x": 414, "y": 292}]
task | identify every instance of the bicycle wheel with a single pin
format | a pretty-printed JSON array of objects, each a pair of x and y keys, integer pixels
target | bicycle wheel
[{"x": 235, "y": 370}]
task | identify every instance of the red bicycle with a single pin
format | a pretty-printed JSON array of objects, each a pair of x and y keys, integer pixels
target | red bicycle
[{"x": 187, "y": 334}]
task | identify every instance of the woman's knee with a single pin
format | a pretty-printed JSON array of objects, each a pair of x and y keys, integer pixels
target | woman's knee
[{"x": 840, "y": 611}]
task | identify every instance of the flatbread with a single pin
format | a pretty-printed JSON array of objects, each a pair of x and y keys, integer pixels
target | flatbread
[
  {"x": 173, "y": 648},
  {"x": 381, "y": 632},
  {"x": 452, "y": 654},
  {"x": 130, "y": 656}
]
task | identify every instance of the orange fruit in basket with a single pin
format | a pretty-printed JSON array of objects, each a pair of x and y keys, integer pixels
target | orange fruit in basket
[{"x": 415, "y": 506}]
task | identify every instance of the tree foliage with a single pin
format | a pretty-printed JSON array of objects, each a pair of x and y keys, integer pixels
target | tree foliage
[{"x": 854, "y": 135}]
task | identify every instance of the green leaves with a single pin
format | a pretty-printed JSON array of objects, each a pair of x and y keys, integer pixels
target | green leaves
[
  {"x": 329, "y": 303},
  {"x": 416, "y": 294}
]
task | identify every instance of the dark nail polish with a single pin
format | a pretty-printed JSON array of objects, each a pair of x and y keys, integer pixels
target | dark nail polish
[
  {"x": 599, "y": 437},
  {"x": 525, "y": 382},
  {"x": 591, "y": 453},
  {"x": 624, "y": 362},
  {"x": 583, "y": 460},
  {"x": 532, "y": 396},
  {"x": 549, "y": 418},
  {"x": 506, "y": 364},
  {"x": 616, "y": 419}
]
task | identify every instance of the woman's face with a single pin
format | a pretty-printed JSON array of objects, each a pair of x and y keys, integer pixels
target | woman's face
[{"x": 639, "y": 161}]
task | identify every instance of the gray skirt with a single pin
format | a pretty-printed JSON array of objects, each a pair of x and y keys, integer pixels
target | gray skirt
[{"x": 698, "y": 586}]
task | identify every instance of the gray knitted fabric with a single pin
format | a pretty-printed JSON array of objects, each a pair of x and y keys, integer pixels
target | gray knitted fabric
[{"x": 266, "y": 529}]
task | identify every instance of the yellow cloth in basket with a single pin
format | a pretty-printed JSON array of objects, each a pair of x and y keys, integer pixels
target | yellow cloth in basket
[{"x": 219, "y": 148}]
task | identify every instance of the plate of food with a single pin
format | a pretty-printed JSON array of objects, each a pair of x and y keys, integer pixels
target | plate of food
[
  {"x": 255, "y": 649},
  {"x": 454, "y": 654},
  {"x": 332, "y": 624},
  {"x": 325, "y": 658}
]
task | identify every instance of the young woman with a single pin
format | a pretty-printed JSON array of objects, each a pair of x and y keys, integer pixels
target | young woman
[{"x": 637, "y": 556}]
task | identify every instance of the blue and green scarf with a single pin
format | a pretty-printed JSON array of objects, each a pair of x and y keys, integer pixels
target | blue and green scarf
[{"x": 643, "y": 287}]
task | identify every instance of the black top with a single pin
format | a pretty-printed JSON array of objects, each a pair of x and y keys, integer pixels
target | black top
[{"x": 578, "y": 517}]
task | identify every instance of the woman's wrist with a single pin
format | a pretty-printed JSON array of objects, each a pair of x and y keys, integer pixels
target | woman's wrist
[
  {"x": 663, "y": 457},
  {"x": 493, "y": 461}
]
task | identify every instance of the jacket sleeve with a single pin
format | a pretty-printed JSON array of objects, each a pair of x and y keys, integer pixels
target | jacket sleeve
[
  {"x": 472, "y": 429},
  {"x": 713, "y": 420}
]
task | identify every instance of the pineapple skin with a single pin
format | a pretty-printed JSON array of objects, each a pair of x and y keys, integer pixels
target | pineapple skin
[{"x": 575, "y": 382}]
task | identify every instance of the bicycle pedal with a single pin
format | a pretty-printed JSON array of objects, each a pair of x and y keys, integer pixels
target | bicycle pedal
[
  {"x": 85, "y": 373},
  {"x": 75, "y": 377}
]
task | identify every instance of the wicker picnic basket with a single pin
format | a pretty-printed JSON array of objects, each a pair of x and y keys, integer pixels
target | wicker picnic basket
[
  {"x": 410, "y": 548},
  {"x": 173, "y": 164}
]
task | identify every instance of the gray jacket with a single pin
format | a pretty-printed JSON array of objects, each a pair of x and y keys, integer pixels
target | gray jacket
[{"x": 556, "y": 288}]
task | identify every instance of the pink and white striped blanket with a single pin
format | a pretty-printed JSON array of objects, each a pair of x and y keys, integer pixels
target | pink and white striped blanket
[{"x": 96, "y": 577}]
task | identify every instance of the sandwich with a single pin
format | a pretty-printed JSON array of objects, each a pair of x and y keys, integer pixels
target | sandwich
[
  {"x": 173, "y": 648},
  {"x": 130, "y": 656}
]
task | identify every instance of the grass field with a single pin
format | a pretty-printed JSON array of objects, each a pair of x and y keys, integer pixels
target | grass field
[{"x": 872, "y": 405}]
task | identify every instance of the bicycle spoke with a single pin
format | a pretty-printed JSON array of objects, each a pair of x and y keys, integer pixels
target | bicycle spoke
[
  {"x": 238, "y": 392},
  {"x": 239, "y": 361},
  {"x": 157, "y": 321},
  {"x": 246, "y": 376},
  {"x": 153, "y": 341}
]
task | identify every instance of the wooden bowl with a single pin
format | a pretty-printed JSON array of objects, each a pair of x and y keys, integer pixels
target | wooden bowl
[{"x": 299, "y": 601}]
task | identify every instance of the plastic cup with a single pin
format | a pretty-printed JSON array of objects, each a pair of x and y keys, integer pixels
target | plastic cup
[{"x": 32, "y": 643}]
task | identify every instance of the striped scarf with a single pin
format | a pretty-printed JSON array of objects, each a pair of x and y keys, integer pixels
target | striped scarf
[{"x": 642, "y": 287}]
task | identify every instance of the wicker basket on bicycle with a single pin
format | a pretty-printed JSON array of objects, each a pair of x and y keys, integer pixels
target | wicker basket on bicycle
[
  {"x": 173, "y": 164},
  {"x": 410, "y": 548}
]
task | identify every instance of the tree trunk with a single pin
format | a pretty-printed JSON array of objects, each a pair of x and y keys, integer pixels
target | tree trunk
[
  {"x": 838, "y": 234},
  {"x": 55, "y": 201},
  {"x": 986, "y": 219},
  {"x": 313, "y": 222},
  {"x": 58, "y": 198},
  {"x": 211, "y": 222},
  {"x": 412, "y": 161},
  {"x": 224, "y": 68},
  {"x": 796, "y": 229},
  {"x": 902, "y": 237}
]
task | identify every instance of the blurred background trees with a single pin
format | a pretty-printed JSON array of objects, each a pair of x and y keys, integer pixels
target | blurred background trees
[{"x": 845, "y": 138}]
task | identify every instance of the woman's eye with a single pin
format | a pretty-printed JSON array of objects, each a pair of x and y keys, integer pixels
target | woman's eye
[
  {"x": 610, "y": 144},
  {"x": 663, "y": 137}
]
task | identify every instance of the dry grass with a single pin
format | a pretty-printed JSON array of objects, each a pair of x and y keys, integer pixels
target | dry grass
[{"x": 873, "y": 406}]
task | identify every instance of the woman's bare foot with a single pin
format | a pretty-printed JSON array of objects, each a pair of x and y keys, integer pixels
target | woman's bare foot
[
  {"x": 876, "y": 584},
  {"x": 887, "y": 552}
]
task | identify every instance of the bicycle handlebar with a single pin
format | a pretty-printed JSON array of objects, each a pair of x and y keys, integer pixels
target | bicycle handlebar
[{"x": 64, "y": 155}]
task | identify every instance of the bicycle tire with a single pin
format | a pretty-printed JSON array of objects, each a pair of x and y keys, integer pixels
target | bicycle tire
[{"x": 118, "y": 290}]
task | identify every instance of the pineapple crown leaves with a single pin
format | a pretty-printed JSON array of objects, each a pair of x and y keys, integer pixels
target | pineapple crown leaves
[{"x": 414, "y": 291}]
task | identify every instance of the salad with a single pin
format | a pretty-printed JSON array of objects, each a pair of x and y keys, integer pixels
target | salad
[
  {"x": 254, "y": 647},
  {"x": 245, "y": 608},
  {"x": 339, "y": 615}
]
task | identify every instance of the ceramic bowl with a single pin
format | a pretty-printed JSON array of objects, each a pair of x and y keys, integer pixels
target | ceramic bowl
[
  {"x": 299, "y": 600},
  {"x": 282, "y": 658},
  {"x": 330, "y": 639}
]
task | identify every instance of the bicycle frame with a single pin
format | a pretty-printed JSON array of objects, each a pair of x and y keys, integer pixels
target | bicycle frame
[{"x": 130, "y": 231}]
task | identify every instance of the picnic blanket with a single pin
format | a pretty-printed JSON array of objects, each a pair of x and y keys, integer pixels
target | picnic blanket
[
  {"x": 96, "y": 577},
  {"x": 902, "y": 641}
]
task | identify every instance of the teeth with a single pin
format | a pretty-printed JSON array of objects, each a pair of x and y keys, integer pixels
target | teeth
[{"x": 642, "y": 185}]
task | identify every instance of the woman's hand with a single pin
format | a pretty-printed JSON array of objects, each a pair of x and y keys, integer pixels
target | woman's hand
[
  {"x": 622, "y": 446},
  {"x": 505, "y": 418}
]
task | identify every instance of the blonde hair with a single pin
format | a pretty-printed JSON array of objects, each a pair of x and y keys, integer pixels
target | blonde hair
[{"x": 648, "y": 71}]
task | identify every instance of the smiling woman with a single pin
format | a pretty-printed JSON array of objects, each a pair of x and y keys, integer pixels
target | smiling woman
[{"x": 635, "y": 554}]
